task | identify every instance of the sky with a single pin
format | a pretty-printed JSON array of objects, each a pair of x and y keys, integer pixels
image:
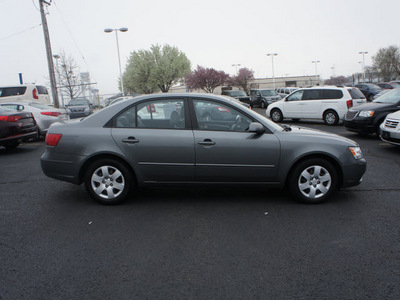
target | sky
[{"x": 212, "y": 33}]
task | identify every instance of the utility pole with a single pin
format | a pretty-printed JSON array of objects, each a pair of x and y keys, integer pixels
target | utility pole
[{"x": 49, "y": 54}]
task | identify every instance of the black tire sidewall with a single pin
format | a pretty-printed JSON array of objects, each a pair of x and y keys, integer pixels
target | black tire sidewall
[
  {"x": 295, "y": 174},
  {"x": 118, "y": 165}
]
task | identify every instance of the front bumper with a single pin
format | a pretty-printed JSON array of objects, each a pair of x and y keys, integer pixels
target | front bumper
[
  {"x": 390, "y": 137},
  {"x": 353, "y": 173},
  {"x": 363, "y": 125}
]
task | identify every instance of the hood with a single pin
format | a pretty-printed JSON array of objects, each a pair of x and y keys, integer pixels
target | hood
[
  {"x": 373, "y": 106},
  {"x": 315, "y": 133}
]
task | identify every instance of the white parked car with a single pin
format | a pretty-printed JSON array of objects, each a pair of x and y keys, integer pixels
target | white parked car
[
  {"x": 24, "y": 92},
  {"x": 44, "y": 115},
  {"x": 390, "y": 129},
  {"x": 329, "y": 103}
]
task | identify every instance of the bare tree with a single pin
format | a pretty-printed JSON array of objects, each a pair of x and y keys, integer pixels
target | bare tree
[
  {"x": 386, "y": 62},
  {"x": 68, "y": 76}
]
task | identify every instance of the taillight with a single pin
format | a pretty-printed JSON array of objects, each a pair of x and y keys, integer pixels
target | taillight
[
  {"x": 223, "y": 109},
  {"x": 10, "y": 118},
  {"x": 349, "y": 103},
  {"x": 52, "y": 139},
  {"x": 34, "y": 94},
  {"x": 51, "y": 113}
]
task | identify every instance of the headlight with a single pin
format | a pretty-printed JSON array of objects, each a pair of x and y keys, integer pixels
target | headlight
[
  {"x": 366, "y": 113},
  {"x": 356, "y": 151}
]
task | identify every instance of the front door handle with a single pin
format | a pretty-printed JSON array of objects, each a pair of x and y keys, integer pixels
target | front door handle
[
  {"x": 207, "y": 142},
  {"x": 130, "y": 140}
]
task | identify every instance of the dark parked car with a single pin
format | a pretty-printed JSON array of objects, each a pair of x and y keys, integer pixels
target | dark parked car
[
  {"x": 366, "y": 118},
  {"x": 16, "y": 127},
  {"x": 162, "y": 139},
  {"x": 79, "y": 108},
  {"x": 387, "y": 85},
  {"x": 264, "y": 97},
  {"x": 369, "y": 90},
  {"x": 239, "y": 95}
]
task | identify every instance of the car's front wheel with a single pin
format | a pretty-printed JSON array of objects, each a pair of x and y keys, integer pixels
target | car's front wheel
[
  {"x": 313, "y": 180},
  {"x": 263, "y": 105},
  {"x": 108, "y": 181},
  {"x": 276, "y": 115}
]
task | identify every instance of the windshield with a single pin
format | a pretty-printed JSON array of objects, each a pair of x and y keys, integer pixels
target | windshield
[
  {"x": 268, "y": 93},
  {"x": 391, "y": 97},
  {"x": 237, "y": 94},
  {"x": 373, "y": 87},
  {"x": 78, "y": 102}
]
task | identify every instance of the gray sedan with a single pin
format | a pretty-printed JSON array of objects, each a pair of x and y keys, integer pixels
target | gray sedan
[{"x": 163, "y": 139}]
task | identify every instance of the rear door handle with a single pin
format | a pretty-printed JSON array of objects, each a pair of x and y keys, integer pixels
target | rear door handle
[
  {"x": 130, "y": 140},
  {"x": 207, "y": 142}
]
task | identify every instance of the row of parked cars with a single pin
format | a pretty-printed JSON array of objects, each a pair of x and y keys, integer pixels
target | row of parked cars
[{"x": 25, "y": 113}]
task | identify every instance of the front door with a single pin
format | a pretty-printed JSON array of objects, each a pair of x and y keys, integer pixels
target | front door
[{"x": 225, "y": 150}]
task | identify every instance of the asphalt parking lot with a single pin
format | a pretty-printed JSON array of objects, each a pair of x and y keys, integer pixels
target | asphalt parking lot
[{"x": 202, "y": 243}]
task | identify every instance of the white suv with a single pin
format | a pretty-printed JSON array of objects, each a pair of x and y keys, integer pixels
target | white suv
[
  {"x": 27, "y": 92},
  {"x": 329, "y": 103}
]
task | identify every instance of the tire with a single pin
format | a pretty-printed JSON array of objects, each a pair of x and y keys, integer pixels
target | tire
[
  {"x": 11, "y": 145},
  {"x": 313, "y": 181},
  {"x": 370, "y": 97},
  {"x": 108, "y": 181},
  {"x": 276, "y": 115},
  {"x": 262, "y": 104},
  {"x": 295, "y": 120},
  {"x": 331, "y": 117},
  {"x": 377, "y": 127}
]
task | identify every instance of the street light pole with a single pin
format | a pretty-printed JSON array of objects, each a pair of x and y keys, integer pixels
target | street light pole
[
  {"x": 316, "y": 71},
  {"x": 122, "y": 29},
  {"x": 363, "y": 63},
  {"x": 273, "y": 72},
  {"x": 236, "y": 65}
]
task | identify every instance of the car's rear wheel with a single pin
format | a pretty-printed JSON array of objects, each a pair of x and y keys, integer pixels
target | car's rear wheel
[
  {"x": 331, "y": 117},
  {"x": 276, "y": 115},
  {"x": 108, "y": 181},
  {"x": 313, "y": 181}
]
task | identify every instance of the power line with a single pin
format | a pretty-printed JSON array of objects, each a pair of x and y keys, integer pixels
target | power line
[
  {"x": 12, "y": 35},
  {"x": 70, "y": 33}
]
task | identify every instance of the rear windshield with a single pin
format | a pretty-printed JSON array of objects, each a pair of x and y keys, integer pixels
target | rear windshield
[
  {"x": 268, "y": 93},
  {"x": 42, "y": 90},
  {"x": 356, "y": 93},
  {"x": 12, "y": 91}
]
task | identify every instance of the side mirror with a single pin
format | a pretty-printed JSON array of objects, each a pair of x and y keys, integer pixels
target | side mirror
[{"x": 256, "y": 128}]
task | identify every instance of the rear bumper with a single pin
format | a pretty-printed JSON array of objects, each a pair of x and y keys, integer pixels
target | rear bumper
[
  {"x": 61, "y": 166},
  {"x": 18, "y": 138}
]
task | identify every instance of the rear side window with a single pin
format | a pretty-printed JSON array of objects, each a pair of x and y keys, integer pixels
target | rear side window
[
  {"x": 12, "y": 91},
  {"x": 356, "y": 94},
  {"x": 312, "y": 95},
  {"x": 332, "y": 94},
  {"x": 42, "y": 90}
]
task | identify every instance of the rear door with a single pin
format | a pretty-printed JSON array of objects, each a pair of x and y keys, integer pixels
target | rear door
[{"x": 156, "y": 137}]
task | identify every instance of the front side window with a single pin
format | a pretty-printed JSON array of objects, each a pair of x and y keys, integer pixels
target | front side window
[
  {"x": 296, "y": 96},
  {"x": 162, "y": 114},
  {"x": 216, "y": 116}
]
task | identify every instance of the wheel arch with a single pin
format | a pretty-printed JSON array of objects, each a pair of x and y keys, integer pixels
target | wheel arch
[
  {"x": 98, "y": 156},
  {"x": 327, "y": 157}
]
